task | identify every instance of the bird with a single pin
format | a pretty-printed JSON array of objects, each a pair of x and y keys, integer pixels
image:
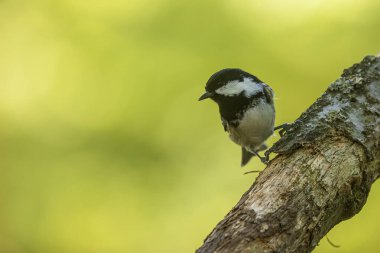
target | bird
[{"x": 246, "y": 109}]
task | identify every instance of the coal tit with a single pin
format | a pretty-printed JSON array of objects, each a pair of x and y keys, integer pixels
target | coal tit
[{"x": 246, "y": 108}]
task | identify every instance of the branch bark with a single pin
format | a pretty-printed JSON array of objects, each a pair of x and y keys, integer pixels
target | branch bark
[{"x": 326, "y": 163}]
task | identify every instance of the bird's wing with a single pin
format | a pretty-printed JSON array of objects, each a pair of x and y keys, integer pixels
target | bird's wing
[
  {"x": 268, "y": 92},
  {"x": 225, "y": 124}
]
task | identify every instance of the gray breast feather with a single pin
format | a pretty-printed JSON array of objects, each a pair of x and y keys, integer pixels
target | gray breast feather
[{"x": 255, "y": 127}]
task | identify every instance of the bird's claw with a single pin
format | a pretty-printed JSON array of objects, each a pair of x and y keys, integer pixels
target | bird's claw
[
  {"x": 267, "y": 153},
  {"x": 283, "y": 128},
  {"x": 264, "y": 160}
]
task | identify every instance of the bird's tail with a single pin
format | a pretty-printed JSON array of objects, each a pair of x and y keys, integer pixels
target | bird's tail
[{"x": 247, "y": 155}]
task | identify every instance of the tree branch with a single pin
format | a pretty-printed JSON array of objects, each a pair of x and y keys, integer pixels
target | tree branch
[{"x": 326, "y": 163}]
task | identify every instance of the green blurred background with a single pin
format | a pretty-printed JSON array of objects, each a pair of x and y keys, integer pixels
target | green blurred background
[{"x": 104, "y": 146}]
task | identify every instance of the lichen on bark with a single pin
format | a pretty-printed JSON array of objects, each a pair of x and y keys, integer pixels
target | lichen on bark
[{"x": 349, "y": 107}]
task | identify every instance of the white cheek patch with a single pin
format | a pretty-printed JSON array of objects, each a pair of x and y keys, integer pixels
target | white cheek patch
[{"x": 234, "y": 88}]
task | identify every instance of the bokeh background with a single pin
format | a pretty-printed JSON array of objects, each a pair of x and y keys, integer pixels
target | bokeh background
[{"x": 104, "y": 146}]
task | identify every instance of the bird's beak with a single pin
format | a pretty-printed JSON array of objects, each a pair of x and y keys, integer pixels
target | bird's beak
[{"x": 206, "y": 95}]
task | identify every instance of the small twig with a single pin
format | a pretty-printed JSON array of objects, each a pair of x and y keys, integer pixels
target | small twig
[
  {"x": 332, "y": 244},
  {"x": 252, "y": 171}
]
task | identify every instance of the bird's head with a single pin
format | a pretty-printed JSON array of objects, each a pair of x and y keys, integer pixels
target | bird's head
[{"x": 230, "y": 84}]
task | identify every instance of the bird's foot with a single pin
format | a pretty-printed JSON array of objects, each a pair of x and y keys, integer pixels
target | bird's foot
[
  {"x": 267, "y": 153},
  {"x": 264, "y": 160},
  {"x": 283, "y": 128}
]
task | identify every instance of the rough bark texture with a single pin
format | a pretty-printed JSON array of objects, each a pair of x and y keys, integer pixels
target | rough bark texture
[{"x": 326, "y": 164}]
